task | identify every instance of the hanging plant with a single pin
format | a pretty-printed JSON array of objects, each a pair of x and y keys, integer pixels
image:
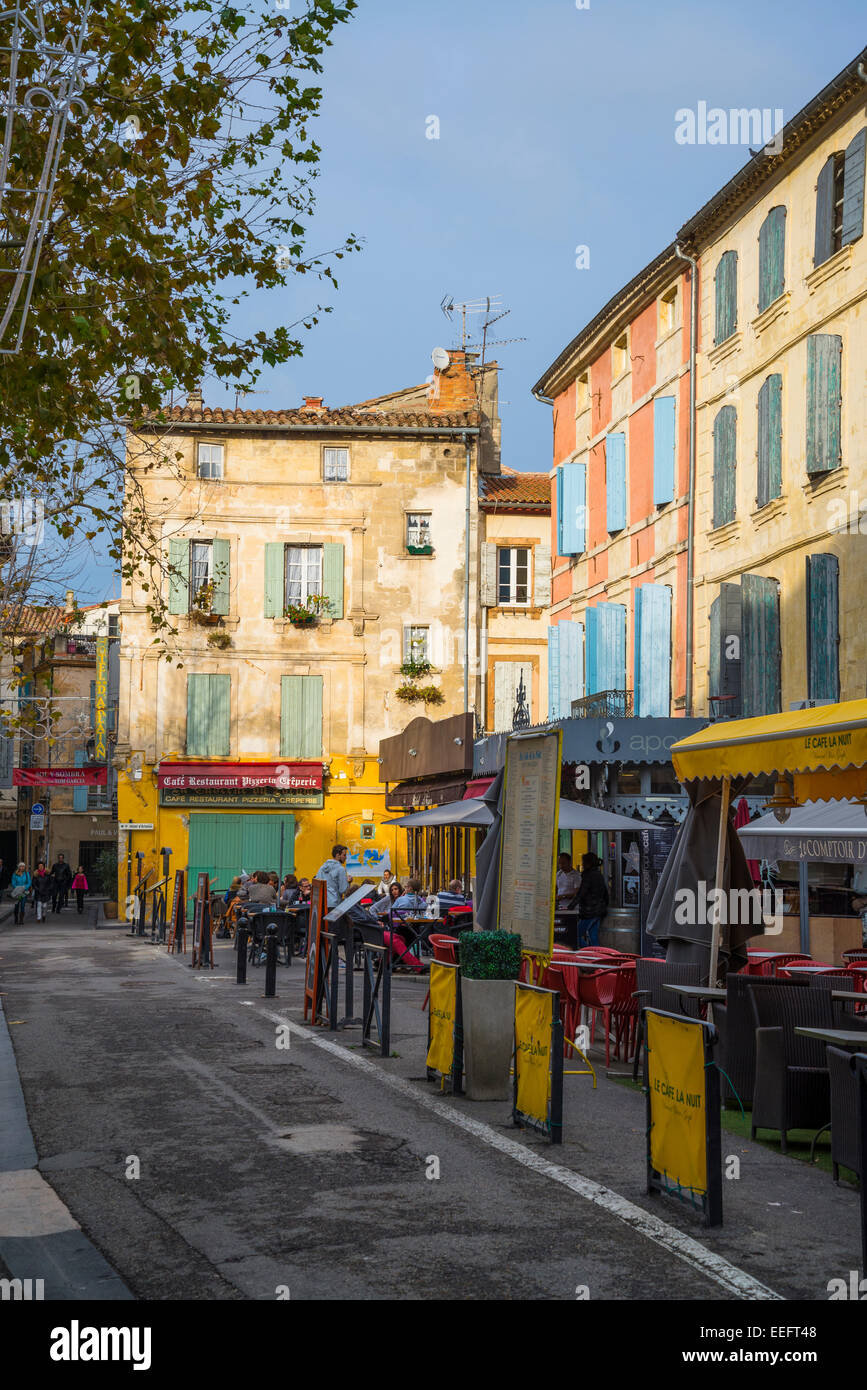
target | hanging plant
[
  {"x": 431, "y": 694},
  {"x": 219, "y": 639},
  {"x": 305, "y": 614},
  {"x": 408, "y": 693},
  {"x": 415, "y": 668}
]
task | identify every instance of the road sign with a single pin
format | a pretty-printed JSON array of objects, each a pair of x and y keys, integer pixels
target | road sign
[
  {"x": 37, "y": 822},
  {"x": 135, "y": 825},
  {"x": 37, "y": 809}
]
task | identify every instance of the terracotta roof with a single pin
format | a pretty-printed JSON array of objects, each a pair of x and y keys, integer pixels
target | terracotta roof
[
  {"x": 515, "y": 492},
  {"x": 33, "y": 622},
  {"x": 345, "y": 416}
]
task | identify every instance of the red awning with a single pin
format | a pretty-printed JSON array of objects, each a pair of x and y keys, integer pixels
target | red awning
[{"x": 477, "y": 787}]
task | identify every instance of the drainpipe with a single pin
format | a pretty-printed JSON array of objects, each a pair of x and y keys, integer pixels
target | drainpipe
[
  {"x": 467, "y": 584},
  {"x": 484, "y": 671},
  {"x": 690, "y": 523}
]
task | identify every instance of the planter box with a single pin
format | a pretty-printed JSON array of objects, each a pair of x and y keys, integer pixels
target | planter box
[
  {"x": 110, "y": 910},
  {"x": 204, "y": 619},
  {"x": 489, "y": 1037},
  {"x": 419, "y": 550}
]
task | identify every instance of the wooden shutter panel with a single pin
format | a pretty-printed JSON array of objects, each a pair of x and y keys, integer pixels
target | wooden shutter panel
[
  {"x": 198, "y": 709},
  {"x": 571, "y": 665},
  {"x": 219, "y": 715},
  {"x": 713, "y": 659},
  {"x": 652, "y": 651},
  {"x": 726, "y": 282},
  {"x": 301, "y": 717},
  {"x": 724, "y": 465},
  {"x": 772, "y": 246},
  {"x": 824, "y": 401},
  {"x": 853, "y": 188},
  {"x": 724, "y": 673},
  {"x": 79, "y": 794},
  {"x": 7, "y": 759},
  {"x": 507, "y": 674},
  {"x": 615, "y": 482},
  {"x": 332, "y": 576},
  {"x": 541, "y": 576},
  {"x": 221, "y": 578},
  {"x": 488, "y": 575},
  {"x": 554, "y": 671},
  {"x": 571, "y": 508},
  {"x": 179, "y": 576},
  {"x": 275, "y": 563},
  {"x": 823, "y": 627},
  {"x": 606, "y": 647},
  {"x": 824, "y": 240},
  {"x": 769, "y": 481},
  {"x": 664, "y": 445},
  {"x": 760, "y": 670}
]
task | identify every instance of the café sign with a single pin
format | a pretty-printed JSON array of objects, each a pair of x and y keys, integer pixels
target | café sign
[{"x": 284, "y": 784}]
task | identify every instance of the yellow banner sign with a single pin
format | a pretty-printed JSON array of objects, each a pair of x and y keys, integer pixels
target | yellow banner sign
[
  {"x": 100, "y": 712},
  {"x": 533, "y": 1051},
  {"x": 443, "y": 1004},
  {"x": 676, "y": 1078}
]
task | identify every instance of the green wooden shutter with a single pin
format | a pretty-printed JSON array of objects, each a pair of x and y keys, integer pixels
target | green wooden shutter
[
  {"x": 208, "y": 716},
  {"x": 724, "y": 465},
  {"x": 724, "y": 667},
  {"x": 713, "y": 653},
  {"x": 769, "y": 482},
  {"x": 332, "y": 576},
  {"x": 853, "y": 188},
  {"x": 301, "y": 717},
  {"x": 79, "y": 794},
  {"x": 760, "y": 672},
  {"x": 823, "y": 627},
  {"x": 823, "y": 245},
  {"x": 221, "y": 578},
  {"x": 220, "y": 716},
  {"x": 824, "y": 401},
  {"x": 772, "y": 244},
  {"x": 726, "y": 281},
  {"x": 179, "y": 576},
  {"x": 275, "y": 568}
]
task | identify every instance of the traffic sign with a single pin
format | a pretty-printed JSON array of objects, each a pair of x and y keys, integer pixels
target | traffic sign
[
  {"x": 135, "y": 825},
  {"x": 37, "y": 809}
]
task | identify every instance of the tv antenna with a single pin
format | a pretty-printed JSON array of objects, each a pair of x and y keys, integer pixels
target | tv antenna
[{"x": 469, "y": 307}]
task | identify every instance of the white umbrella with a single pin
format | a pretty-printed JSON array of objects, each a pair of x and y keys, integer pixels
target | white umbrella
[{"x": 573, "y": 816}]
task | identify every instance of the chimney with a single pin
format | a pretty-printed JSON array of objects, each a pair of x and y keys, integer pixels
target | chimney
[
  {"x": 195, "y": 400},
  {"x": 313, "y": 403},
  {"x": 452, "y": 389}
]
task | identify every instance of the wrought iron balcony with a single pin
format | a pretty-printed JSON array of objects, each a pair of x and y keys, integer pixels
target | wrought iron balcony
[{"x": 605, "y": 704}]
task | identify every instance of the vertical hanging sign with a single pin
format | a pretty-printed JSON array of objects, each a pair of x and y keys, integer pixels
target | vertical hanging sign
[{"x": 100, "y": 712}]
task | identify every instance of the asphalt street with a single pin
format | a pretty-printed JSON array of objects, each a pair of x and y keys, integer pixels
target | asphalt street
[{"x": 202, "y": 1158}]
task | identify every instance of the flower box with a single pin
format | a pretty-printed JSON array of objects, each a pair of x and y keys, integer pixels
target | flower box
[{"x": 419, "y": 550}]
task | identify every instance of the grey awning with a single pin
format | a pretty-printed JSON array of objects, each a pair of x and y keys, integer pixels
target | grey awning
[
  {"x": 573, "y": 816},
  {"x": 834, "y": 832}
]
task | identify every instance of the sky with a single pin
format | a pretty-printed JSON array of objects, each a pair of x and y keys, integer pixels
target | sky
[{"x": 556, "y": 131}]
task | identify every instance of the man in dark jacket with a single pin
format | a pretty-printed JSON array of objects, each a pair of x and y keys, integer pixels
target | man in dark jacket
[
  {"x": 61, "y": 878},
  {"x": 592, "y": 901}
]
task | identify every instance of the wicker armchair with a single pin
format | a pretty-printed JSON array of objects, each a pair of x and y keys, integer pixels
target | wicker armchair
[
  {"x": 735, "y": 1024},
  {"x": 792, "y": 1089},
  {"x": 651, "y": 975},
  {"x": 842, "y": 1009},
  {"x": 844, "y": 1113}
]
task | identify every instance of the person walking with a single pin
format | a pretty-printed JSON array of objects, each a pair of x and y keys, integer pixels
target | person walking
[
  {"x": 20, "y": 887},
  {"x": 79, "y": 888},
  {"x": 42, "y": 889},
  {"x": 61, "y": 880},
  {"x": 592, "y": 901}
]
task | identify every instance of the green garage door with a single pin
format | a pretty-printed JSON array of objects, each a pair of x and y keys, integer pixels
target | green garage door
[{"x": 222, "y": 846}]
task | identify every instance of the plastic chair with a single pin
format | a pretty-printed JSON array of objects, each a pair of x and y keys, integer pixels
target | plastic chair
[
  {"x": 445, "y": 948},
  {"x": 596, "y": 992},
  {"x": 858, "y": 954}
]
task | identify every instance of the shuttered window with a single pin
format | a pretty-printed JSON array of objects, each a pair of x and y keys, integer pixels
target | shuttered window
[
  {"x": 664, "y": 440},
  {"x": 507, "y": 679},
  {"x": 488, "y": 575},
  {"x": 724, "y": 465},
  {"x": 726, "y": 284},
  {"x": 208, "y": 733},
  {"x": 772, "y": 249},
  {"x": 824, "y": 401},
  {"x": 652, "y": 651},
  {"x": 615, "y": 482},
  {"x": 760, "y": 669},
  {"x": 199, "y": 575},
  {"x": 571, "y": 509},
  {"x": 295, "y": 573},
  {"x": 853, "y": 189},
  {"x": 823, "y": 627},
  {"x": 513, "y": 576},
  {"x": 301, "y": 717},
  {"x": 724, "y": 673},
  {"x": 606, "y": 647},
  {"x": 840, "y": 199},
  {"x": 565, "y": 667},
  {"x": 769, "y": 482},
  {"x": 542, "y": 576}
]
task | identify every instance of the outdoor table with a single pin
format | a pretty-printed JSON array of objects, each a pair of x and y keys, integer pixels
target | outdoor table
[
  {"x": 420, "y": 927},
  {"x": 847, "y": 994},
  {"x": 837, "y": 1037},
  {"x": 808, "y": 969},
  {"x": 710, "y": 992}
]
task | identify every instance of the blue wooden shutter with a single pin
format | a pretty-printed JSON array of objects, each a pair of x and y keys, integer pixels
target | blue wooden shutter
[
  {"x": 726, "y": 283},
  {"x": 823, "y": 627},
  {"x": 760, "y": 671},
  {"x": 220, "y": 574},
  {"x": 664, "y": 449},
  {"x": 652, "y": 651},
  {"x": 823, "y": 245},
  {"x": 179, "y": 576},
  {"x": 301, "y": 717},
  {"x": 769, "y": 481},
  {"x": 824, "y": 401},
  {"x": 275, "y": 584},
  {"x": 772, "y": 247},
  {"x": 571, "y": 508},
  {"x": 724, "y": 465},
  {"x": 606, "y": 647},
  {"x": 332, "y": 576},
  {"x": 79, "y": 794},
  {"x": 615, "y": 481},
  {"x": 571, "y": 666},
  {"x": 853, "y": 188},
  {"x": 554, "y": 671}
]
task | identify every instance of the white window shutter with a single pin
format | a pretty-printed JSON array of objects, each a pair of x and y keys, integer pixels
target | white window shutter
[
  {"x": 507, "y": 675},
  {"x": 488, "y": 569},
  {"x": 542, "y": 576}
]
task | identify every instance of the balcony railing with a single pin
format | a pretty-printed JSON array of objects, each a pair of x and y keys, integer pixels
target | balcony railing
[{"x": 605, "y": 704}]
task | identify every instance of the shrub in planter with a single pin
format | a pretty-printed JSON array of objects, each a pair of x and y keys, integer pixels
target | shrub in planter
[
  {"x": 431, "y": 694},
  {"x": 222, "y": 640},
  {"x": 415, "y": 668},
  {"x": 489, "y": 955},
  {"x": 490, "y": 963},
  {"x": 408, "y": 693}
]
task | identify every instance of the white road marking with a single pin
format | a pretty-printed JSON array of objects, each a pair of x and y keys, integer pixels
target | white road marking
[{"x": 735, "y": 1281}]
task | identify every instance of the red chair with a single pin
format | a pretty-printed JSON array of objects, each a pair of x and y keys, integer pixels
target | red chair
[
  {"x": 554, "y": 978},
  {"x": 445, "y": 950},
  {"x": 596, "y": 992},
  {"x": 857, "y": 956},
  {"x": 858, "y": 972},
  {"x": 624, "y": 1012}
]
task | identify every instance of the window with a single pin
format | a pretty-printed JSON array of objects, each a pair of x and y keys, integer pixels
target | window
[
  {"x": 303, "y": 573},
  {"x": 335, "y": 465},
  {"x": 114, "y": 624},
  {"x": 668, "y": 311},
  {"x": 582, "y": 399},
  {"x": 201, "y": 568},
  {"x": 726, "y": 283},
  {"x": 770, "y": 442},
  {"x": 416, "y": 644},
  {"x": 620, "y": 356},
  {"x": 513, "y": 575},
  {"x": 824, "y": 402},
  {"x": 418, "y": 532},
  {"x": 724, "y": 464},
  {"x": 210, "y": 464},
  {"x": 98, "y": 798},
  {"x": 772, "y": 248}
]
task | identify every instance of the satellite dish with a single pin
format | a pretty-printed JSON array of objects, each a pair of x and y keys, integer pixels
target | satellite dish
[{"x": 440, "y": 358}]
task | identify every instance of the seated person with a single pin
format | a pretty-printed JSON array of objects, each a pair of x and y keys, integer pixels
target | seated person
[
  {"x": 399, "y": 948},
  {"x": 232, "y": 891},
  {"x": 384, "y": 883},
  {"x": 259, "y": 891},
  {"x": 412, "y": 900},
  {"x": 290, "y": 891},
  {"x": 305, "y": 888},
  {"x": 383, "y": 906},
  {"x": 454, "y": 896}
]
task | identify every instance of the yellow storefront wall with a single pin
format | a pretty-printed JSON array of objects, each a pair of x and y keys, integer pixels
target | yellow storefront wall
[{"x": 345, "y": 800}]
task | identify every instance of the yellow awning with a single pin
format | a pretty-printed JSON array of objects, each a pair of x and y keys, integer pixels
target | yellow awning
[{"x": 823, "y": 741}]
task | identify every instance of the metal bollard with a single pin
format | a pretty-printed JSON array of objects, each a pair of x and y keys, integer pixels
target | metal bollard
[
  {"x": 270, "y": 962},
  {"x": 241, "y": 938}
]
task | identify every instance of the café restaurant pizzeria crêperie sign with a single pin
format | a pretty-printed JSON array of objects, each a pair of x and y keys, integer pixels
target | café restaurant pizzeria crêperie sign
[{"x": 240, "y": 784}]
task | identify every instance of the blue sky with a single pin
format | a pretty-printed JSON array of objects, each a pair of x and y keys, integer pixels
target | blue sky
[{"x": 556, "y": 130}]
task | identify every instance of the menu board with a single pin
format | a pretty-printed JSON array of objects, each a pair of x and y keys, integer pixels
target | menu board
[{"x": 528, "y": 854}]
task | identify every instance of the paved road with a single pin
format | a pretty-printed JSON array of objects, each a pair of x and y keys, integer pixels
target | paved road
[{"x": 262, "y": 1170}]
